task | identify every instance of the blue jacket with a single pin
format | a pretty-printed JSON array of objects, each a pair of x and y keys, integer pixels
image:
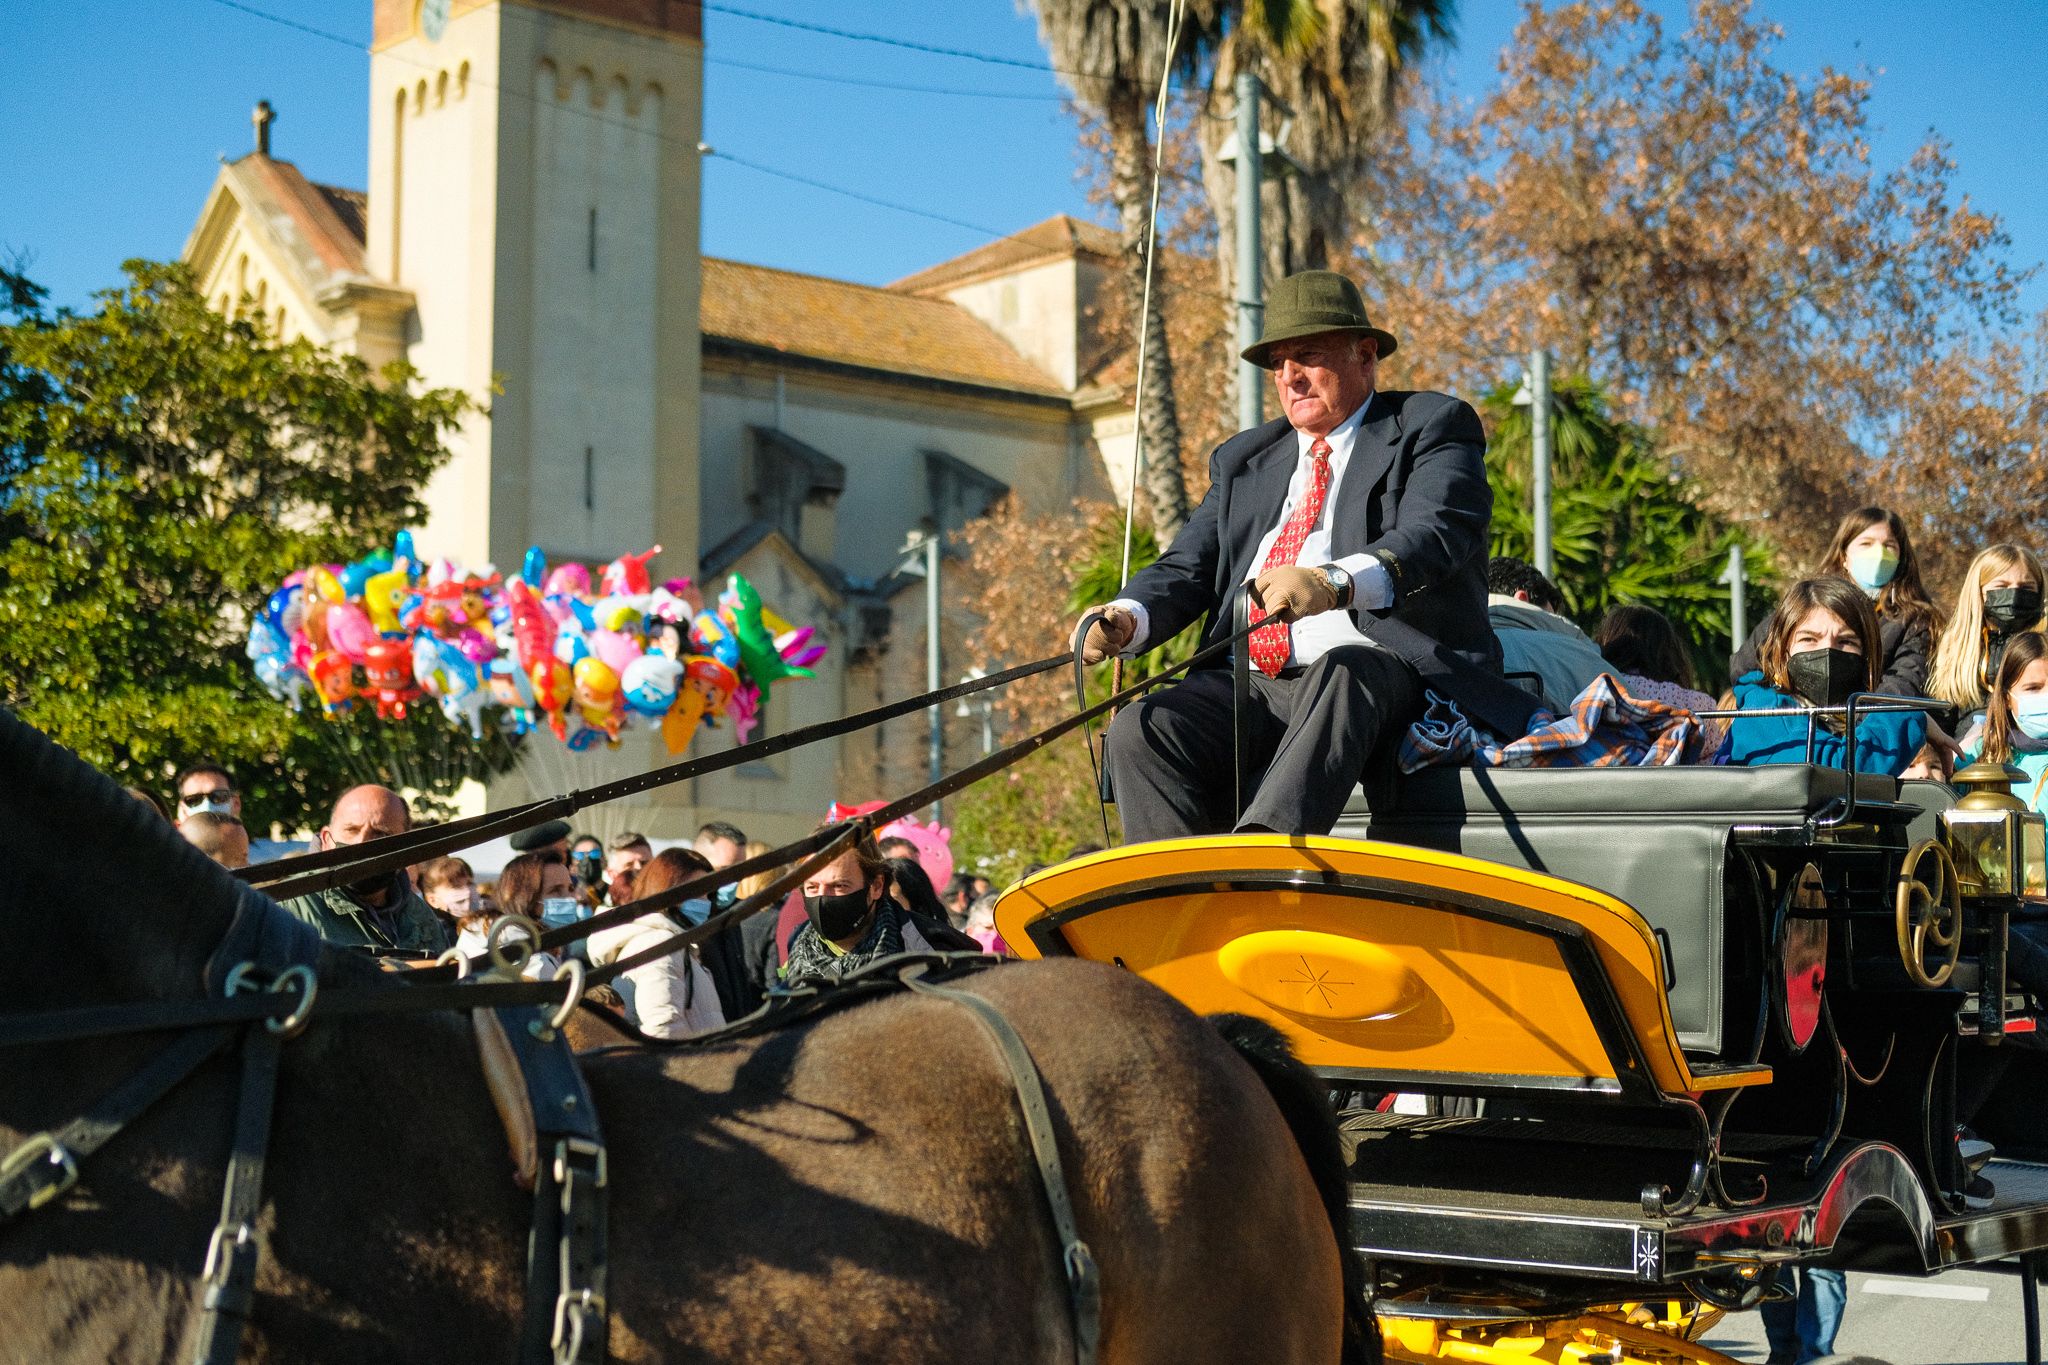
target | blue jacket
[{"x": 1885, "y": 741}]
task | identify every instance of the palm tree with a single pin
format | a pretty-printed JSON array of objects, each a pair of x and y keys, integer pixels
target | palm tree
[
  {"x": 1624, "y": 528},
  {"x": 1112, "y": 54},
  {"x": 1338, "y": 66}
]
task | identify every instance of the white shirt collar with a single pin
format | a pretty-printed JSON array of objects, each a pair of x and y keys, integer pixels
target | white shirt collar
[{"x": 1341, "y": 439}]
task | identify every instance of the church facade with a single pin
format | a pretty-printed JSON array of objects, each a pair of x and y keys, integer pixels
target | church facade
[{"x": 530, "y": 233}]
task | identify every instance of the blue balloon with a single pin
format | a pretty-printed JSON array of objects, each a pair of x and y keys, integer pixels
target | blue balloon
[
  {"x": 402, "y": 548},
  {"x": 282, "y": 609},
  {"x": 535, "y": 569},
  {"x": 356, "y": 577}
]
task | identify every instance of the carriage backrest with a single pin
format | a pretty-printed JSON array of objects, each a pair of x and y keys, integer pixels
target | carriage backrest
[
  {"x": 1394, "y": 967},
  {"x": 1656, "y": 838}
]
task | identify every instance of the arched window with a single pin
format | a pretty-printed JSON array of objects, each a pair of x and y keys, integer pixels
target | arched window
[
  {"x": 440, "y": 90},
  {"x": 462, "y": 80}
]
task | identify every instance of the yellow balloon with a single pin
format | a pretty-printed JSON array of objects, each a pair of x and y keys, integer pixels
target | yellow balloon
[
  {"x": 679, "y": 726},
  {"x": 327, "y": 585},
  {"x": 382, "y": 592}
]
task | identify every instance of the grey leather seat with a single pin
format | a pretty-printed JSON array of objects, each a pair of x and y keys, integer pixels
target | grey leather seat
[{"x": 1656, "y": 838}]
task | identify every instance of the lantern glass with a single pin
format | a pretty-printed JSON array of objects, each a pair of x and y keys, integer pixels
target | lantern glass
[
  {"x": 2034, "y": 854},
  {"x": 1982, "y": 842}
]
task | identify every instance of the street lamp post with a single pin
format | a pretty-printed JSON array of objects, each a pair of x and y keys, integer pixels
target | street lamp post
[
  {"x": 921, "y": 559},
  {"x": 983, "y": 703}
]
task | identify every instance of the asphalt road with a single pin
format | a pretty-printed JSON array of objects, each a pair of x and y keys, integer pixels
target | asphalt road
[{"x": 1966, "y": 1317}]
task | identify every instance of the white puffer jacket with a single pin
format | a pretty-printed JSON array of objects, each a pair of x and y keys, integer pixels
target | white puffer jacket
[{"x": 670, "y": 997}]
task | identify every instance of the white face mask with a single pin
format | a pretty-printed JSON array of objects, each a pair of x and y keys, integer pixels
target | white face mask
[
  {"x": 1872, "y": 566},
  {"x": 2031, "y": 717}
]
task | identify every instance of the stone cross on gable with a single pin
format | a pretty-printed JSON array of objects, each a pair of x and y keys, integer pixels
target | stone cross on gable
[{"x": 263, "y": 117}]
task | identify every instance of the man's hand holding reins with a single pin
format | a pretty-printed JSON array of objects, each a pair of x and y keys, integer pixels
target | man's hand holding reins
[
  {"x": 1293, "y": 592},
  {"x": 1109, "y": 633}
]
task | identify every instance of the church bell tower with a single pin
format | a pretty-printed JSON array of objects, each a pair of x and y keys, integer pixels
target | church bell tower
[{"x": 534, "y": 181}]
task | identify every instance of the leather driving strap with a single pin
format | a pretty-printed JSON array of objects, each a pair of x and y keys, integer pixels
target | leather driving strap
[
  {"x": 1084, "y": 1285},
  {"x": 567, "y": 1319},
  {"x": 46, "y": 1165},
  {"x": 227, "y": 1286},
  {"x": 1241, "y": 701}
]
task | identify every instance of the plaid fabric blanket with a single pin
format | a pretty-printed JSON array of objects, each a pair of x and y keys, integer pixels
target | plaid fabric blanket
[{"x": 1606, "y": 728}]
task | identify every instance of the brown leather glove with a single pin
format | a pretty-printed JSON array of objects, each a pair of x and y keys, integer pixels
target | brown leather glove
[
  {"x": 1292, "y": 592},
  {"x": 1109, "y": 635}
]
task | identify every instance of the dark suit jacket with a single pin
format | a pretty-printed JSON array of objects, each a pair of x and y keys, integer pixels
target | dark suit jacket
[{"x": 1414, "y": 493}]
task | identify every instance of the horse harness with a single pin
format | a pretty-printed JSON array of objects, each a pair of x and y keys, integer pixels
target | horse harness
[{"x": 266, "y": 973}]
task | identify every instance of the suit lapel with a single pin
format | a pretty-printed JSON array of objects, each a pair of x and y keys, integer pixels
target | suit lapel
[
  {"x": 1379, "y": 437},
  {"x": 1256, "y": 497}
]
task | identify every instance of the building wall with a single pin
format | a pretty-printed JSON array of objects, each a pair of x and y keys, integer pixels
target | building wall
[
  {"x": 1036, "y": 310},
  {"x": 489, "y": 151},
  {"x": 434, "y": 144},
  {"x": 878, "y": 428},
  {"x": 246, "y": 280}
]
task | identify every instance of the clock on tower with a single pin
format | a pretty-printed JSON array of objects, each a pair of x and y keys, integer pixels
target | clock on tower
[{"x": 434, "y": 18}]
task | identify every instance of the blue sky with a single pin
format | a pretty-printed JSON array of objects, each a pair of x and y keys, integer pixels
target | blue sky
[{"x": 118, "y": 110}]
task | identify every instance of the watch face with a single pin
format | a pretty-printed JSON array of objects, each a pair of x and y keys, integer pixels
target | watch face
[{"x": 434, "y": 18}]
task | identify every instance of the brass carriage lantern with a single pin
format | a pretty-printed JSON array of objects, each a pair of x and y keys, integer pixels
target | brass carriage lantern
[{"x": 2000, "y": 845}]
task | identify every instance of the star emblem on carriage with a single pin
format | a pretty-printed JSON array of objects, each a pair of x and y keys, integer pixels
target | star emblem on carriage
[{"x": 1315, "y": 982}]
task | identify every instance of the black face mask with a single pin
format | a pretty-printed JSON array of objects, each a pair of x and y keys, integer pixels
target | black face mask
[
  {"x": 1826, "y": 677},
  {"x": 836, "y": 917},
  {"x": 2007, "y": 610},
  {"x": 587, "y": 870}
]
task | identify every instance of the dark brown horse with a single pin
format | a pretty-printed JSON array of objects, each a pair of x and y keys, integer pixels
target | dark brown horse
[{"x": 854, "y": 1188}]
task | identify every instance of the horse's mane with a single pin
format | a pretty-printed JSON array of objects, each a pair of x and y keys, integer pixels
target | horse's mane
[{"x": 101, "y": 892}]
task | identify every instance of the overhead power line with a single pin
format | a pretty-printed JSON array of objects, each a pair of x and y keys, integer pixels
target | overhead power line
[
  {"x": 882, "y": 85},
  {"x": 805, "y": 26},
  {"x": 760, "y": 168}
]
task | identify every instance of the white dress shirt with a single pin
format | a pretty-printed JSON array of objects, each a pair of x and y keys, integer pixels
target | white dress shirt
[{"x": 1372, "y": 586}]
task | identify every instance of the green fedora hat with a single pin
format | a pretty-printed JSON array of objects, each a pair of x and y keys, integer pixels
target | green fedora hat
[{"x": 1311, "y": 302}]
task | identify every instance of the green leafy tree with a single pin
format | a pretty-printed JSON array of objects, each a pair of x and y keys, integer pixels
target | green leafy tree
[
  {"x": 1624, "y": 527},
  {"x": 162, "y": 468}
]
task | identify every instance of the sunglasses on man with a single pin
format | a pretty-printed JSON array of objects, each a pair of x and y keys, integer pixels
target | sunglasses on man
[{"x": 218, "y": 796}]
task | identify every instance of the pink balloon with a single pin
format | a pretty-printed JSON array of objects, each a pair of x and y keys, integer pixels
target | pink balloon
[
  {"x": 349, "y": 630},
  {"x": 615, "y": 647},
  {"x": 934, "y": 846},
  {"x": 570, "y": 580}
]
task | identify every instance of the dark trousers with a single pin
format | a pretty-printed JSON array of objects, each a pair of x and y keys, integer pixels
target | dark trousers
[{"x": 1171, "y": 754}]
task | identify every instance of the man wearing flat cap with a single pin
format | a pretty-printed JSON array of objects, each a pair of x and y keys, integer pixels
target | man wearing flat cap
[{"x": 1359, "y": 520}]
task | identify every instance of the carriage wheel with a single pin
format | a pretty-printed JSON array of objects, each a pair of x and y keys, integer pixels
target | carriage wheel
[{"x": 1929, "y": 911}]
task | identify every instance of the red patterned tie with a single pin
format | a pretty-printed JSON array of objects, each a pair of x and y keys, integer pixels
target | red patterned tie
[{"x": 1269, "y": 642}]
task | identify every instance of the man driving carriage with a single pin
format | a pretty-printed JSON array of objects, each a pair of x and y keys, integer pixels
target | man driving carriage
[{"x": 1359, "y": 520}]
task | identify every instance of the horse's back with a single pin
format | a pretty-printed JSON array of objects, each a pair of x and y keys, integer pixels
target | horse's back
[{"x": 874, "y": 1159}]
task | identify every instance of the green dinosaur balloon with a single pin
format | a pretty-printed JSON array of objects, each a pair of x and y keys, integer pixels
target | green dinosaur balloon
[{"x": 760, "y": 660}]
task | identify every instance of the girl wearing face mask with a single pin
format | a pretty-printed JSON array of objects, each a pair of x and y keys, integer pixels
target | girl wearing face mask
[
  {"x": 2016, "y": 725},
  {"x": 850, "y": 920},
  {"x": 685, "y": 991},
  {"x": 2000, "y": 599},
  {"x": 448, "y": 885},
  {"x": 533, "y": 885},
  {"x": 1872, "y": 550},
  {"x": 1816, "y": 652}
]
